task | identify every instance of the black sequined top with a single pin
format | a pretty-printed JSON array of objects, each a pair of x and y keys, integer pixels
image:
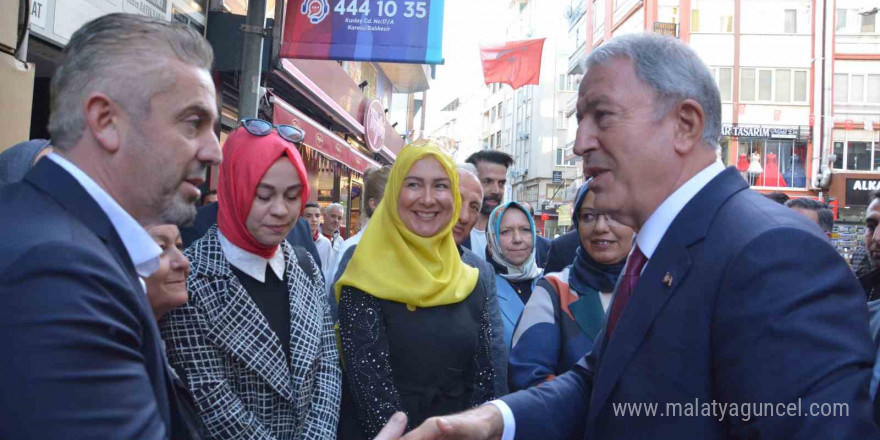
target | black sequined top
[{"x": 427, "y": 362}]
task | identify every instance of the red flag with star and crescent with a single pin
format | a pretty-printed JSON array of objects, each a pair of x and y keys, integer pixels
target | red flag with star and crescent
[{"x": 515, "y": 63}]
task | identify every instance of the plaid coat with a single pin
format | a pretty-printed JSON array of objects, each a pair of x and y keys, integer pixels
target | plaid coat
[{"x": 234, "y": 364}]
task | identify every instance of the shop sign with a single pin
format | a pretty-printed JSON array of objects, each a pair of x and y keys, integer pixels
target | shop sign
[
  {"x": 564, "y": 212},
  {"x": 670, "y": 29},
  {"x": 557, "y": 177},
  {"x": 858, "y": 191},
  {"x": 374, "y": 126},
  {"x": 760, "y": 132},
  {"x": 364, "y": 30}
]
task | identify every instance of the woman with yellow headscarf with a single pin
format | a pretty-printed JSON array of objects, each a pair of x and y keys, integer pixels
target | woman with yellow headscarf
[{"x": 413, "y": 320}]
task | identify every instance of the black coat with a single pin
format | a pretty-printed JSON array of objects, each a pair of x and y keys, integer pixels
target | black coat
[
  {"x": 562, "y": 251},
  {"x": 82, "y": 355}
]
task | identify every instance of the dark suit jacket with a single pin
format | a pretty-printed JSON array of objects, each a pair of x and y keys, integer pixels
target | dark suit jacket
[
  {"x": 760, "y": 308},
  {"x": 206, "y": 217},
  {"x": 82, "y": 356},
  {"x": 562, "y": 250}
]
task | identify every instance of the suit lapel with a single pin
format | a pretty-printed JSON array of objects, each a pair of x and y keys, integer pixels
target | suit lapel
[
  {"x": 509, "y": 302},
  {"x": 664, "y": 273},
  {"x": 239, "y": 327}
]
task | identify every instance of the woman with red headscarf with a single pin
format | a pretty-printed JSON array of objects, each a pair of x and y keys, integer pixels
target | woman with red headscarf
[{"x": 255, "y": 343}]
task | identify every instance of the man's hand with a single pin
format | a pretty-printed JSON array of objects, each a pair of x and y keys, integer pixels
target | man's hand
[
  {"x": 394, "y": 428},
  {"x": 482, "y": 423}
]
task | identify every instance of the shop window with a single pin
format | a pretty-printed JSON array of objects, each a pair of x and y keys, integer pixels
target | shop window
[
  {"x": 858, "y": 156},
  {"x": 838, "y": 153},
  {"x": 772, "y": 163}
]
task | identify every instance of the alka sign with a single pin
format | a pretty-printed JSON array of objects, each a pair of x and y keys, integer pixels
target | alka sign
[
  {"x": 760, "y": 132},
  {"x": 858, "y": 191}
]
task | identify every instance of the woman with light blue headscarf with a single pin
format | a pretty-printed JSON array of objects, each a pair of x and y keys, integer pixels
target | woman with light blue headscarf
[{"x": 510, "y": 243}]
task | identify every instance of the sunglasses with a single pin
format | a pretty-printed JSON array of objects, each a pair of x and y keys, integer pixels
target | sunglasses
[{"x": 259, "y": 127}]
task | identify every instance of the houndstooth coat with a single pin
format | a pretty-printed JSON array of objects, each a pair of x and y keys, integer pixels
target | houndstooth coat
[{"x": 233, "y": 363}]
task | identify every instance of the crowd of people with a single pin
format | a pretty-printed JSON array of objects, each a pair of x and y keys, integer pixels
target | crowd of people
[{"x": 129, "y": 313}]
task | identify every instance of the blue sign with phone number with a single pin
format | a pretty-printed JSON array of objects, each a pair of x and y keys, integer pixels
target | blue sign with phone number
[{"x": 399, "y": 31}]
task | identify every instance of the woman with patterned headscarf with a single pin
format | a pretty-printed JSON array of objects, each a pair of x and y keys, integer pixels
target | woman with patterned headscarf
[
  {"x": 566, "y": 311},
  {"x": 510, "y": 247},
  {"x": 255, "y": 343},
  {"x": 412, "y": 316}
]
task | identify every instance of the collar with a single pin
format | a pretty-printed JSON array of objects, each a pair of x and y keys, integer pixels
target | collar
[
  {"x": 141, "y": 248},
  {"x": 253, "y": 265},
  {"x": 648, "y": 238}
]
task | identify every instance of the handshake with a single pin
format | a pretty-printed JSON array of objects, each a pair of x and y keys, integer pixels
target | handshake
[{"x": 481, "y": 423}]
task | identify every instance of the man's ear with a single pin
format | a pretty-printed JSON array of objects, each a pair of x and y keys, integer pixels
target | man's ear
[
  {"x": 102, "y": 117},
  {"x": 689, "y": 122}
]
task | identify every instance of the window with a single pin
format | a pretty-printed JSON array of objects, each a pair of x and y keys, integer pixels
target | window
[
  {"x": 857, "y": 88},
  {"x": 598, "y": 19},
  {"x": 747, "y": 84},
  {"x": 772, "y": 85},
  {"x": 712, "y": 16},
  {"x": 553, "y": 192},
  {"x": 724, "y": 80},
  {"x": 873, "y": 89},
  {"x": 695, "y": 20},
  {"x": 561, "y": 121},
  {"x": 858, "y": 156},
  {"x": 868, "y": 22},
  {"x": 783, "y": 85},
  {"x": 841, "y": 19},
  {"x": 499, "y": 110},
  {"x": 790, "y": 21},
  {"x": 560, "y": 158},
  {"x": 841, "y": 87},
  {"x": 776, "y": 163},
  {"x": 800, "y": 86},
  {"x": 765, "y": 83},
  {"x": 727, "y": 23}
]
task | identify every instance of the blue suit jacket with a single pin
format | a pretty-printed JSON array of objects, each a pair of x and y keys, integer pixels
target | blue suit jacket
[
  {"x": 511, "y": 307},
  {"x": 82, "y": 355},
  {"x": 748, "y": 317}
]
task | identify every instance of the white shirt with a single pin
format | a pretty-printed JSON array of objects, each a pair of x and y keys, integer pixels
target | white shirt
[
  {"x": 647, "y": 239},
  {"x": 325, "y": 253},
  {"x": 337, "y": 258},
  {"x": 252, "y": 265},
  {"x": 478, "y": 242},
  {"x": 141, "y": 248}
]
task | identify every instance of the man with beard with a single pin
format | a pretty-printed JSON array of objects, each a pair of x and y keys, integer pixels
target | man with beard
[
  {"x": 82, "y": 355},
  {"x": 492, "y": 168}
]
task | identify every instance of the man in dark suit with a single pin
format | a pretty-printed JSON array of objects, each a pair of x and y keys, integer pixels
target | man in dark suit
[
  {"x": 82, "y": 355},
  {"x": 716, "y": 307},
  {"x": 561, "y": 252}
]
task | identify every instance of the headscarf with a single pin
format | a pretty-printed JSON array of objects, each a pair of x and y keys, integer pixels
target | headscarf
[
  {"x": 586, "y": 274},
  {"x": 393, "y": 263},
  {"x": 529, "y": 270},
  {"x": 16, "y": 161},
  {"x": 246, "y": 158}
]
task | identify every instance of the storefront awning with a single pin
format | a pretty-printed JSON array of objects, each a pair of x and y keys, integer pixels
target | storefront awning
[{"x": 319, "y": 138}]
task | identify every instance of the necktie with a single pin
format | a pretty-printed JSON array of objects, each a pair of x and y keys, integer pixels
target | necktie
[{"x": 634, "y": 266}]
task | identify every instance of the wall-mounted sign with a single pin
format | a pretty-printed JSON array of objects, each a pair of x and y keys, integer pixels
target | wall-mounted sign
[
  {"x": 858, "y": 191},
  {"x": 374, "y": 126},
  {"x": 557, "y": 177},
  {"x": 400, "y": 31},
  {"x": 670, "y": 29},
  {"x": 763, "y": 132}
]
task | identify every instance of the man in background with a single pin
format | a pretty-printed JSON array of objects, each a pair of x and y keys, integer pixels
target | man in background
[
  {"x": 817, "y": 212},
  {"x": 492, "y": 168}
]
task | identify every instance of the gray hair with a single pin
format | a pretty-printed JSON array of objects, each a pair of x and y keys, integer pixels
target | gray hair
[
  {"x": 333, "y": 206},
  {"x": 673, "y": 70},
  {"x": 469, "y": 168},
  {"x": 122, "y": 56}
]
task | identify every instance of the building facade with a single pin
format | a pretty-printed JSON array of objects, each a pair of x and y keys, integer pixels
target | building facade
[{"x": 799, "y": 83}]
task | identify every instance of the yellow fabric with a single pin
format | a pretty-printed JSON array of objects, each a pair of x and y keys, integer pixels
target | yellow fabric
[{"x": 393, "y": 263}]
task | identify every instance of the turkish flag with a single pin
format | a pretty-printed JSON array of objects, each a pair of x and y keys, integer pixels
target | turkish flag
[{"x": 515, "y": 63}]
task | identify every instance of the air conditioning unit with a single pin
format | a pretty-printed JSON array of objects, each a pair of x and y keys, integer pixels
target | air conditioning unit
[{"x": 523, "y": 136}]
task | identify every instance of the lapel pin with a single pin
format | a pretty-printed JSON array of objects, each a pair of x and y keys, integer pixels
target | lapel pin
[{"x": 667, "y": 279}]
